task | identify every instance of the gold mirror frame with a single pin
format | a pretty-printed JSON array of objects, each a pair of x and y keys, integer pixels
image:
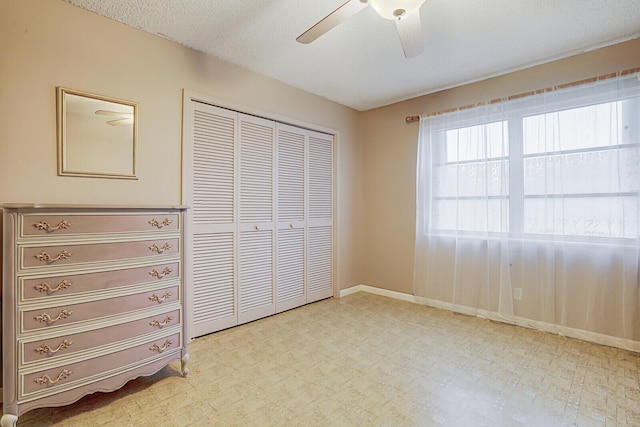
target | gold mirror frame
[{"x": 96, "y": 135}]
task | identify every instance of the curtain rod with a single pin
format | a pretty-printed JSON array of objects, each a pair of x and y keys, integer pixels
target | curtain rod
[{"x": 416, "y": 118}]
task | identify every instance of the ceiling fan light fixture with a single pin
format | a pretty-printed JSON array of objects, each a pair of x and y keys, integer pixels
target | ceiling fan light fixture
[{"x": 395, "y": 9}]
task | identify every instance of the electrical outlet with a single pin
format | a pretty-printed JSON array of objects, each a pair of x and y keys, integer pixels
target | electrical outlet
[{"x": 517, "y": 294}]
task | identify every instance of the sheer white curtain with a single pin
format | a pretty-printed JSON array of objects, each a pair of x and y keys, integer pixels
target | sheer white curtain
[{"x": 530, "y": 209}]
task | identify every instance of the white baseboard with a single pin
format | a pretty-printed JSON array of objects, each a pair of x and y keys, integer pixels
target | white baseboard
[{"x": 593, "y": 337}]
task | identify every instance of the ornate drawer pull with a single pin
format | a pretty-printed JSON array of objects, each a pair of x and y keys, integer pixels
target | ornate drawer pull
[
  {"x": 46, "y": 379},
  {"x": 165, "y": 346},
  {"x": 44, "y": 286},
  {"x": 156, "y": 298},
  {"x": 154, "y": 273},
  {"x": 46, "y": 349},
  {"x": 44, "y": 225},
  {"x": 44, "y": 317},
  {"x": 155, "y": 248},
  {"x": 158, "y": 324},
  {"x": 43, "y": 256},
  {"x": 155, "y": 223}
]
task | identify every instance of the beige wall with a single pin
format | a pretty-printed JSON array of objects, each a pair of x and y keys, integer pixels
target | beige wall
[
  {"x": 389, "y": 155},
  {"x": 49, "y": 43}
]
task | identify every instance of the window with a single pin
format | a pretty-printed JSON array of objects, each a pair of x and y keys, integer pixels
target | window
[
  {"x": 535, "y": 198},
  {"x": 580, "y": 175},
  {"x": 471, "y": 178},
  {"x": 562, "y": 164}
]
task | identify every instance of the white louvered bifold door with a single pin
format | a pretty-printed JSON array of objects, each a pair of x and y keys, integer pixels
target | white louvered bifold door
[
  {"x": 290, "y": 211},
  {"x": 259, "y": 233},
  {"x": 212, "y": 236},
  {"x": 256, "y": 291},
  {"x": 320, "y": 217}
]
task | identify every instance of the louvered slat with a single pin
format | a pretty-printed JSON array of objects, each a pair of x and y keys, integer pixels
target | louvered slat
[
  {"x": 213, "y": 276},
  {"x": 320, "y": 260},
  {"x": 213, "y": 168},
  {"x": 256, "y": 269},
  {"x": 256, "y": 172},
  {"x": 290, "y": 151},
  {"x": 320, "y": 177},
  {"x": 290, "y": 278}
]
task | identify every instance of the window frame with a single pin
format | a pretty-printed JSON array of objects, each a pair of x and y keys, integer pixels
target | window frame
[{"x": 514, "y": 114}]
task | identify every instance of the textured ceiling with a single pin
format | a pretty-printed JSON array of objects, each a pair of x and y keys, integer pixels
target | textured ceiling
[{"x": 360, "y": 62}]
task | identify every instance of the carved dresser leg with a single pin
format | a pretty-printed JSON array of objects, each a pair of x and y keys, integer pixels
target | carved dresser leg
[
  {"x": 8, "y": 420},
  {"x": 184, "y": 361}
]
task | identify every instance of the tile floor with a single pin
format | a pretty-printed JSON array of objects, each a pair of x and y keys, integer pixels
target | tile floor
[{"x": 367, "y": 360}]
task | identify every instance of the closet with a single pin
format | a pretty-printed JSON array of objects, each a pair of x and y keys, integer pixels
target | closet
[{"x": 260, "y": 231}]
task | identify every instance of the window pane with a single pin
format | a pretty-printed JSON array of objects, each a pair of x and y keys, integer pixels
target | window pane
[
  {"x": 575, "y": 129},
  {"x": 472, "y": 179},
  {"x": 575, "y": 153},
  {"x": 486, "y": 141},
  {"x": 602, "y": 171},
  {"x": 488, "y": 215},
  {"x": 613, "y": 217}
]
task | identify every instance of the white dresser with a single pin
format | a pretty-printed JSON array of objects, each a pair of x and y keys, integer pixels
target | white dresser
[{"x": 92, "y": 297}]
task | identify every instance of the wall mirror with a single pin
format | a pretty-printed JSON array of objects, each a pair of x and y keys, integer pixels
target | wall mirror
[{"x": 96, "y": 135}]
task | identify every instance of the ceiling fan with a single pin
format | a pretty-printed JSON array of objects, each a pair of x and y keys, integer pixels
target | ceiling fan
[
  {"x": 124, "y": 118},
  {"x": 406, "y": 14}
]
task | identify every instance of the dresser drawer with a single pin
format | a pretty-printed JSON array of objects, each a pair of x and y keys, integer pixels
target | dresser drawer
[
  {"x": 52, "y": 348},
  {"x": 49, "y": 381},
  {"x": 35, "y": 224},
  {"x": 31, "y": 257},
  {"x": 51, "y": 287},
  {"x": 46, "y": 318}
]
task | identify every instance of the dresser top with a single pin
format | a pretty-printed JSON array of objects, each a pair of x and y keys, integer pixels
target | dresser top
[{"x": 86, "y": 206}]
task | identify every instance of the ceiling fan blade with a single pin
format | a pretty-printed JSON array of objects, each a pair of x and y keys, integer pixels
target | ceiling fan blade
[
  {"x": 119, "y": 122},
  {"x": 343, "y": 12},
  {"x": 410, "y": 32},
  {"x": 113, "y": 113}
]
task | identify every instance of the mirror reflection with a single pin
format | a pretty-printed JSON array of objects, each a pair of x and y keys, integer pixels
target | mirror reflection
[{"x": 96, "y": 135}]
